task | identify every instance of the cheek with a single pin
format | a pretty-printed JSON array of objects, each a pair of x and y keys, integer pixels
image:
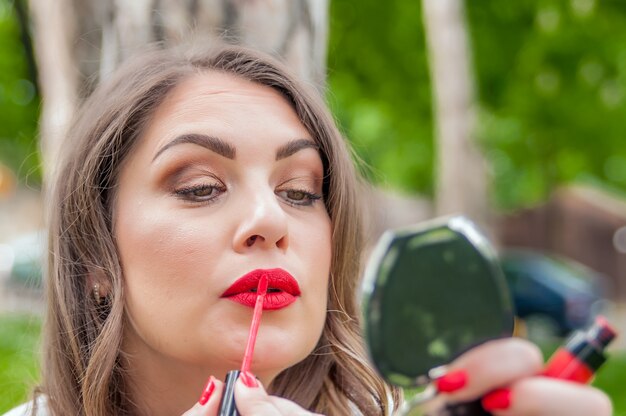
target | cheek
[
  {"x": 312, "y": 241},
  {"x": 152, "y": 238},
  {"x": 167, "y": 262},
  {"x": 164, "y": 258},
  {"x": 315, "y": 243}
]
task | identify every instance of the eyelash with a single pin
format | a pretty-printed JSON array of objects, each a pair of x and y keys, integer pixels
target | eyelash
[
  {"x": 187, "y": 194},
  {"x": 309, "y": 197}
]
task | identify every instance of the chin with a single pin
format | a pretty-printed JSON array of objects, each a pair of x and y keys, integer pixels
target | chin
[{"x": 281, "y": 353}]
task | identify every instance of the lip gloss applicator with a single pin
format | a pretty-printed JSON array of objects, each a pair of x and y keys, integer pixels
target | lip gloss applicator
[{"x": 227, "y": 404}]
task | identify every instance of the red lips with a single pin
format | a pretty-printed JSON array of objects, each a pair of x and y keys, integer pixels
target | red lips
[{"x": 282, "y": 289}]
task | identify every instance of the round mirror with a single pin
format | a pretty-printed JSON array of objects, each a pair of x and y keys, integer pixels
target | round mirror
[{"x": 431, "y": 292}]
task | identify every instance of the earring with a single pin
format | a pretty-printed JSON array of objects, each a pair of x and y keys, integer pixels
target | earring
[{"x": 96, "y": 293}]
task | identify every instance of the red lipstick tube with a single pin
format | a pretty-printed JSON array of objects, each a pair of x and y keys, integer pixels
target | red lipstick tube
[
  {"x": 577, "y": 360},
  {"x": 582, "y": 354}
]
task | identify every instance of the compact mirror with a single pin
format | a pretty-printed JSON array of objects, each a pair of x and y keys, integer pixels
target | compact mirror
[{"x": 430, "y": 292}]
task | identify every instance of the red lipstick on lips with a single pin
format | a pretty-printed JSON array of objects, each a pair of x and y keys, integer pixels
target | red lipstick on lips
[{"x": 282, "y": 289}]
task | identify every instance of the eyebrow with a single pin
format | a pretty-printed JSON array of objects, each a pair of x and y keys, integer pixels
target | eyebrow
[
  {"x": 294, "y": 146},
  {"x": 215, "y": 144},
  {"x": 225, "y": 149}
]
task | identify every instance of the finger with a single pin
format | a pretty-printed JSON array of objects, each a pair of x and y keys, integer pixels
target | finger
[
  {"x": 208, "y": 404},
  {"x": 543, "y": 396},
  {"x": 495, "y": 364},
  {"x": 253, "y": 400}
]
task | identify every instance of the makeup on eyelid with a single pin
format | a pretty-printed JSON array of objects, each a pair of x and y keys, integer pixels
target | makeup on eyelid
[
  {"x": 299, "y": 171},
  {"x": 300, "y": 191}
]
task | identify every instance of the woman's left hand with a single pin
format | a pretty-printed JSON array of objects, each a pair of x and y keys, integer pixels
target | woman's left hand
[{"x": 506, "y": 374}]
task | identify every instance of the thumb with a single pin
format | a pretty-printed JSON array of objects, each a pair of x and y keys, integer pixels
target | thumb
[{"x": 251, "y": 397}]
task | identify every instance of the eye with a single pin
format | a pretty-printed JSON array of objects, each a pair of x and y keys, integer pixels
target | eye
[
  {"x": 298, "y": 197},
  {"x": 200, "y": 192}
]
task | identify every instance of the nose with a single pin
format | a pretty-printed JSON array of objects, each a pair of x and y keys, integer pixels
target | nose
[{"x": 263, "y": 225}]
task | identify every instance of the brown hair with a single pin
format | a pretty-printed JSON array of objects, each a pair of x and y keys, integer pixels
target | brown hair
[{"x": 83, "y": 368}]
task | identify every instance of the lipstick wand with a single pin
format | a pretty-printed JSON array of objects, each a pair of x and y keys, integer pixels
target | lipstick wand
[
  {"x": 256, "y": 321},
  {"x": 227, "y": 404}
]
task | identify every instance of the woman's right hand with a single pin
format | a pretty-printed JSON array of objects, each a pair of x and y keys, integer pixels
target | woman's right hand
[
  {"x": 209, "y": 402},
  {"x": 251, "y": 400}
]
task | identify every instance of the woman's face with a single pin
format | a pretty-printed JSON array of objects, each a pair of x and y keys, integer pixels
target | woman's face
[{"x": 224, "y": 181}]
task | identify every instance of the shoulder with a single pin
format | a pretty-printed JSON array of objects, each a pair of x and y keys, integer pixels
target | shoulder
[{"x": 26, "y": 409}]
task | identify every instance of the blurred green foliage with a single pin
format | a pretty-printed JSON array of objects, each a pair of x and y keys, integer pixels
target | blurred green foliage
[
  {"x": 380, "y": 89},
  {"x": 19, "y": 369},
  {"x": 19, "y": 103},
  {"x": 551, "y": 84},
  {"x": 552, "y": 77}
]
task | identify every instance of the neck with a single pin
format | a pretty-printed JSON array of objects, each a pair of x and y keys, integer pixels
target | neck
[{"x": 159, "y": 386}]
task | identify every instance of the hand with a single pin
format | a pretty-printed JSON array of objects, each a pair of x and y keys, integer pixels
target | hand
[
  {"x": 512, "y": 366},
  {"x": 251, "y": 401},
  {"x": 209, "y": 401},
  {"x": 255, "y": 401}
]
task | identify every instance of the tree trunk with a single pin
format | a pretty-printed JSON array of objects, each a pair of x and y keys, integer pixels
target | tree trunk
[
  {"x": 78, "y": 42},
  {"x": 461, "y": 177}
]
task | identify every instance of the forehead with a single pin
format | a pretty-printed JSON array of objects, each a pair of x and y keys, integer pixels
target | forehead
[
  {"x": 225, "y": 106},
  {"x": 215, "y": 92}
]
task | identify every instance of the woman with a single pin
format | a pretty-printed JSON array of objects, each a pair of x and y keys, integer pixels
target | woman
[{"x": 184, "y": 175}]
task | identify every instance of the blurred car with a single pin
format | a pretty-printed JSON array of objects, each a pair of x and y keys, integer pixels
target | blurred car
[{"x": 551, "y": 294}]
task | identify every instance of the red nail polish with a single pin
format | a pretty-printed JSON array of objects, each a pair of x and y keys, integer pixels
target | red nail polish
[
  {"x": 248, "y": 379},
  {"x": 452, "y": 381},
  {"x": 499, "y": 399},
  {"x": 208, "y": 390}
]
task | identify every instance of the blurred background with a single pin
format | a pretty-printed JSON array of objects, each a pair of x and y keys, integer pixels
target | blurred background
[{"x": 512, "y": 113}]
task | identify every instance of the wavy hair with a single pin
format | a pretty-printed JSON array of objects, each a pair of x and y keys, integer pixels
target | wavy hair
[{"x": 83, "y": 366}]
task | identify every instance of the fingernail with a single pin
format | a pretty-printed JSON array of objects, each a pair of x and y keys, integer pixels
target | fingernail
[
  {"x": 248, "y": 379},
  {"x": 499, "y": 399},
  {"x": 452, "y": 381},
  {"x": 208, "y": 390}
]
